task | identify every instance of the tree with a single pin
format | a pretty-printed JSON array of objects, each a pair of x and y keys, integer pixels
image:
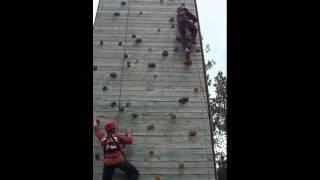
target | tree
[{"x": 218, "y": 110}]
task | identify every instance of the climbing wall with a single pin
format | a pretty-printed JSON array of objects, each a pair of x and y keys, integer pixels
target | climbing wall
[{"x": 141, "y": 81}]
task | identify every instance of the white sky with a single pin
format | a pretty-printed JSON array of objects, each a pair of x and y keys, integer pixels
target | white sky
[{"x": 212, "y": 17}]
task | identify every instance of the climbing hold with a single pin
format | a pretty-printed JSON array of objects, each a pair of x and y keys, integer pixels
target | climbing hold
[
  {"x": 105, "y": 88},
  {"x": 116, "y": 14},
  {"x": 181, "y": 164},
  {"x": 151, "y": 152},
  {"x": 151, "y": 126},
  {"x": 127, "y": 104},
  {"x": 113, "y": 74},
  {"x": 198, "y": 50},
  {"x": 176, "y": 49},
  {"x": 98, "y": 121},
  {"x": 125, "y": 55},
  {"x": 172, "y": 26},
  {"x": 134, "y": 115},
  {"x": 159, "y": 30},
  {"x": 113, "y": 104},
  {"x": 195, "y": 89},
  {"x": 161, "y": 1},
  {"x": 138, "y": 40},
  {"x": 188, "y": 62},
  {"x": 123, "y": 3},
  {"x": 133, "y": 36},
  {"x": 172, "y": 115},
  {"x": 171, "y": 19},
  {"x": 151, "y": 65},
  {"x": 101, "y": 42},
  {"x": 137, "y": 60},
  {"x": 97, "y": 156},
  {"x": 140, "y": 13},
  {"x": 121, "y": 109},
  {"x": 157, "y": 177},
  {"x": 95, "y": 67},
  {"x": 120, "y": 43},
  {"x": 128, "y": 64},
  {"x": 165, "y": 53},
  {"x": 192, "y": 132},
  {"x": 150, "y": 49},
  {"x": 155, "y": 76},
  {"x": 183, "y": 100}
]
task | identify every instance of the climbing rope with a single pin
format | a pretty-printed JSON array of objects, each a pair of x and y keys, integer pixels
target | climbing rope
[{"x": 123, "y": 58}]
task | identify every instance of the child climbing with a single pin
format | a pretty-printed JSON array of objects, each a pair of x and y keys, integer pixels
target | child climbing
[
  {"x": 186, "y": 20},
  {"x": 113, "y": 155}
]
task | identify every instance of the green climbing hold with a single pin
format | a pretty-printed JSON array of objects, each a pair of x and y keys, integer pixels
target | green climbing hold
[
  {"x": 95, "y": 67},
  {"x": 121, "y": 109},
  {"x": 116, "y": 14},
  {"x": 134, "y": 115}
]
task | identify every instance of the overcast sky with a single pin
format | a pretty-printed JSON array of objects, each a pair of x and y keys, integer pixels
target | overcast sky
[{"x": 212, "y": 17}]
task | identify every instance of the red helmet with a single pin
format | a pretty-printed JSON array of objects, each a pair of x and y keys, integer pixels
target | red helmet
[{"x": 108, "y": 125}]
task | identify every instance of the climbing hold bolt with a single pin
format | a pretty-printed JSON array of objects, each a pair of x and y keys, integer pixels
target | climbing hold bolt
[
  {"x": 138, "y": 40},
  {"x": 125, "y": 55},
  {"x": 113, "y": 75},
  {"x": 105, "y": 88},
  {"x": 95, "y": 67},
  {"x": 120, "y": 43},
  {"x": 123, "y": 3},
  {"x": 113, "y": 104},
  {"x": 151, "y": 65},
  {"x": 128, "y": 64},
  {"x": 192, "y": 132},
  {"x": 151, "y": 126},
  {"x": 134, "y": 115},
  {"x": 116, "y": 14},
  {"x": 165, "y": 53},
  {"x": 172, "y": 115},
  {"x": 97, "y": 156},
  {"x": 101, "y": 42}
]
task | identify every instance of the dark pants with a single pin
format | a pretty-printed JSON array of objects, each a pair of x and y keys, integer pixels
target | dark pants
[
  {"x": 182, "y": 30},
  {"x": 128, "y": 168}
]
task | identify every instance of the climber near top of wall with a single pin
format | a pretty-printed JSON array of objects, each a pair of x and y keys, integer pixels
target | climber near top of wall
[
  {"x": 113, "y": 155},
  {"x": 186, "y": 20}
]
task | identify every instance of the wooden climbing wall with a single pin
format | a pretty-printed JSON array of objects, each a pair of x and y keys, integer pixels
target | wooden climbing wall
[{"x": 151, "y": 94}]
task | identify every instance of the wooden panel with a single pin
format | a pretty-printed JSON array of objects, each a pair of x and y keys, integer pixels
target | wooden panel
[{"x": 152, "y": 92}]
